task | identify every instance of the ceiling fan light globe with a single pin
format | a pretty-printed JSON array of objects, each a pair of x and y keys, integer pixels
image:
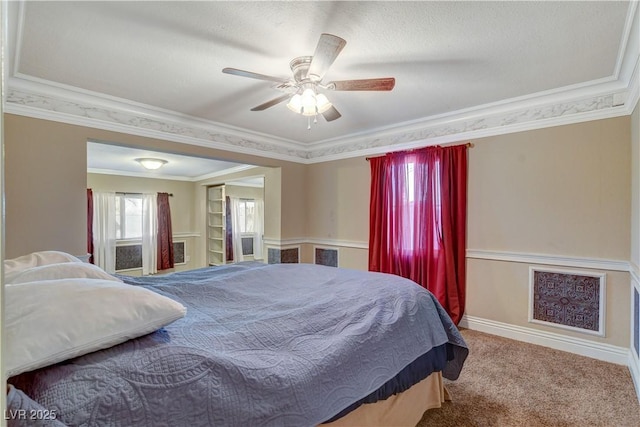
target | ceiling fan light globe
[
  {"x": 295, "y": 103},
  {"x": 308, "y": 103},
  {"x": 308, "y": 100},
  {"x": 322, "y": 103}
]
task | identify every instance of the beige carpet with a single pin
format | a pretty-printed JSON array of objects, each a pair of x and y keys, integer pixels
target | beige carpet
[{"x": 510, "y": 383}]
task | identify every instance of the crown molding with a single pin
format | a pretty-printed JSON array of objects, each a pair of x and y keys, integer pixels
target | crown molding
[
  {"x": 41, "y": 99},
  {"x": 224, "y": 172},
  {"x": 479, "y": 124},
  {"x": 147, "y": 175},
  {"x": 599, "y": 101},
  {"x": 164, "y": 176}
]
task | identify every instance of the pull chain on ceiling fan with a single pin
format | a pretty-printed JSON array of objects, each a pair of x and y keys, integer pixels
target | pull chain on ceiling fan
[{"x": 308, "y": 71}]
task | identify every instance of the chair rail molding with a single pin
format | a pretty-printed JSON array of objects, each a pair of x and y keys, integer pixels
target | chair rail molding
[
  {"x": 521, "y": 257},
  {"x": 185, "y": 234},
  {"x": 547, "y": 259},
  {"x": 356, "y": 244}
]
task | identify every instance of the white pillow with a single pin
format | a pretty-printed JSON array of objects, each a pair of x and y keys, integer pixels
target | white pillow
[
  {"x": 54, "y": 320},
  {"x": 37, "y": 258},
  {"x": 65, "y": 270}
]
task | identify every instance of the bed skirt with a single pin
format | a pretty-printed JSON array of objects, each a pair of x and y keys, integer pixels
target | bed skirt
[{"x": 403, "y": 409}]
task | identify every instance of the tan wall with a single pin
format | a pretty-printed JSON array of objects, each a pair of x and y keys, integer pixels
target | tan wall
[
  {"x": 273, "y": 204},
  {"x": 635, "y": 186},
  {"x": 338, "y": 209},
  {"x": 499, "y": 291},
  {"x": 294, "y": 202},
  {"x": 563, "y": 191},
  {"x": 46, "y": 202},
  {"x": 3, "y": 381},
  {"x": 46, "y": 161},
  {"x": 559, "y": 191},
  {"x": 338, "y": 204}
]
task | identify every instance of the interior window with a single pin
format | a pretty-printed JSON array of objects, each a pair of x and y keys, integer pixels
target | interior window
[
  {"x": 246, "y": 214},
  {"x": 128, "y": 216}
]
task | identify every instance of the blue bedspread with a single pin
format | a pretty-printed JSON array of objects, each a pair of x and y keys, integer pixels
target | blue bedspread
[{"x": 279, "y": 345}]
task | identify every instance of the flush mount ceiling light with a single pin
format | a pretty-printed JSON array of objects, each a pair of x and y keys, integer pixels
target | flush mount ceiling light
[{"x": 151, "y": 163}]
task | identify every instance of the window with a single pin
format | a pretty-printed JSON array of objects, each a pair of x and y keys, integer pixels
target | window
[
  {"x": 246, "y": 219},
  {"x": 246, "y": 215},
  {"x": 128, "y": 216},
  {"x": 417, "y": 223},
  {"x": 245, "y": 231},
  {"x": 415, "y": 195}
]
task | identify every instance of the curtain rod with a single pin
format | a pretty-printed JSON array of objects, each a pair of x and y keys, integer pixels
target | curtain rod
[
  {"x": 135, "y": 194},
  {"x": 468, "y": 144}
]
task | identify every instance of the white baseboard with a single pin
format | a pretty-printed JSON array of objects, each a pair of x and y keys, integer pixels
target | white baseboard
[
  {"x": 634, "y": 368},
  {"x": 583, "y": 347}
]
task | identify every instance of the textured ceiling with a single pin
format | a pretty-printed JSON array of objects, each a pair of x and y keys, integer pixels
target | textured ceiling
[
  {"x": 447, "y": 58},
  {"x": 108, "y": 158}
]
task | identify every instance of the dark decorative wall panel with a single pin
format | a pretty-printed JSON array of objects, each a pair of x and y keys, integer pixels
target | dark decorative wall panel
[
  {"x": 283, "y": 256},
  {"x": 289, "y": 256},
  {"x": 179, "y": 249},
  {"x": 327, "y": 257},
  {"x": 247, "y": 246},
  {"x": 130, "y": 256},
  {"x": 636, "y": 321},
  {"x": 273, "y": 256},
  {"x": 568, "y": 299}
]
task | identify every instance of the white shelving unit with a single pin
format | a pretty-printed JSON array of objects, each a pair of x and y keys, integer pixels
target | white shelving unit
[{"x": 216, "y": 225}]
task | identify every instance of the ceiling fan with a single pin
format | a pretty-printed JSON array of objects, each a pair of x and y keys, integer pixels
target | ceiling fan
[{"x": 302, "y": 90}]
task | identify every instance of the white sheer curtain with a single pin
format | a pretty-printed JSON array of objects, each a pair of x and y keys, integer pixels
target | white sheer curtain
[
  {"x": 258, "y": 225},
  {"x": 236, "y": 235},
  {"x": 104, "y": 230},
  {"x": 149, "y": 234}
]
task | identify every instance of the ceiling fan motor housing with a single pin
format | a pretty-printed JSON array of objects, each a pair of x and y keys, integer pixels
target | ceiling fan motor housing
[{"x": 299, "y": 67}]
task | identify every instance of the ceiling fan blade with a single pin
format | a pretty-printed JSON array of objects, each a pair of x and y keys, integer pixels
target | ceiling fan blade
[
  {"x": 243, "y": 73},
  {"x": 271, "y": 103},
  {"x": 385, "y": 83},
  {"x": 331, "y": 114},
  {"x": 327, "y": 50}
]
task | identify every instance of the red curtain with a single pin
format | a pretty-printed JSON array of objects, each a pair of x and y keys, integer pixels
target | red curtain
[
  {"x": 229, "y": 233},
  {"x": 165, "y": 235},
  {"x": 418, "y": 210},
  {"x": 90, "y": 224}
]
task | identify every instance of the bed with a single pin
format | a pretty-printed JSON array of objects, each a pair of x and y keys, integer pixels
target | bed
[{"x": 257, "y": 344}]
